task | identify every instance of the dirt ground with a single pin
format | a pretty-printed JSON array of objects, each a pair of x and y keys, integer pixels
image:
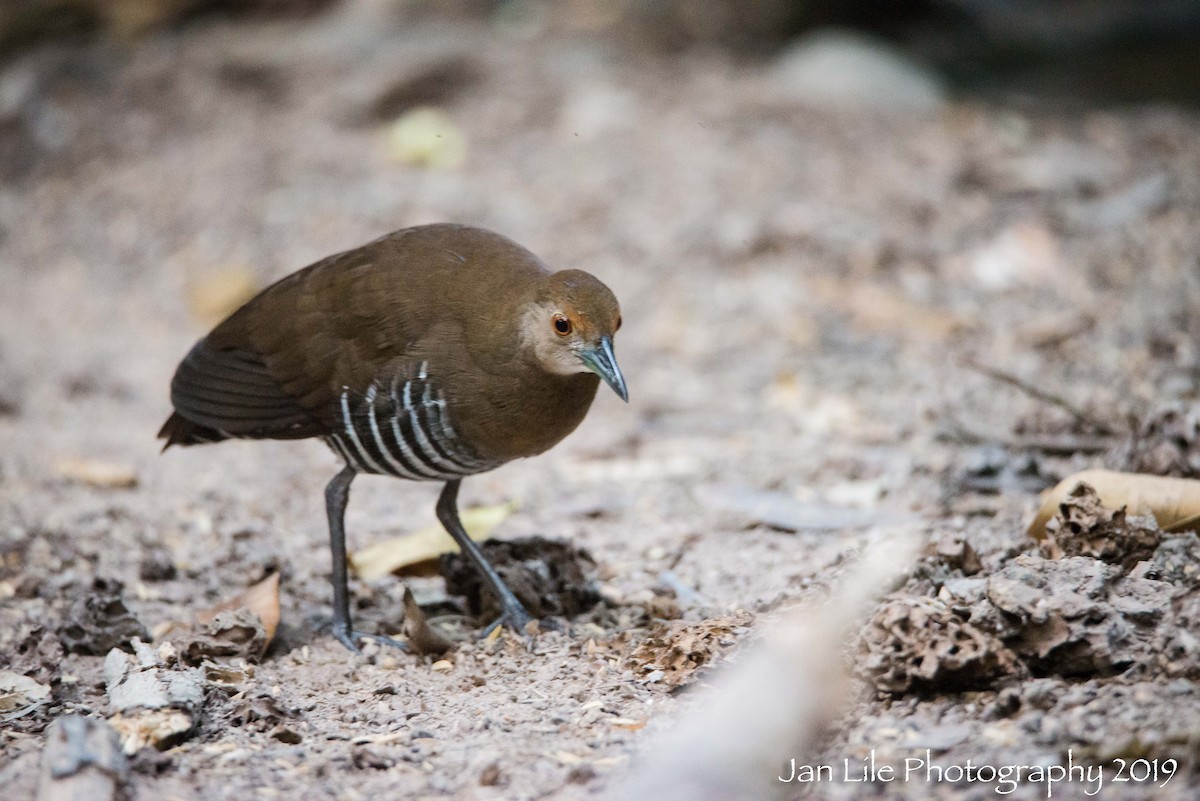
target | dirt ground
[{"x": 812, "y": 302}]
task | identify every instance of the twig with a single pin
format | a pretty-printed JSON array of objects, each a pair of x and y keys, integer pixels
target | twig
[
  {"x": 1061, "y": 445},
  {"x": 1040, "y": 394}
]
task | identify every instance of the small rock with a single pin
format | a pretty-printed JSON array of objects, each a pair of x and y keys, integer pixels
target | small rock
[
  {"x": 157, "y": 566},
  {"x": 581, "y": 774},
  {"x": 82, "y": 760},
  {"x": 840, "y": 69},
  {"x": 1025, "y": 254},
  {"x": 287, "y": 735},
  {"x": 491, "y": 776},
  {"x": 1177, "y": 560},
  {"x": 142, "y": 681}
]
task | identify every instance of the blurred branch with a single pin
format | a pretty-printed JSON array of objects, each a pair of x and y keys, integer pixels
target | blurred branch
[{"x": 771, "y": 704}]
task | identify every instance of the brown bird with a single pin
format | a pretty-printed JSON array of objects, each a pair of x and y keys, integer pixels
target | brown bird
[{"x": 431, "y": 354}]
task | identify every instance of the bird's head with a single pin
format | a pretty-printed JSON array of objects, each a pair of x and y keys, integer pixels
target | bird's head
[{"x": 569, "y": 327}]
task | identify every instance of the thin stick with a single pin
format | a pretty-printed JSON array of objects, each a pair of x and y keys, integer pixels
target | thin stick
[{"x": 1040, "y": 394}]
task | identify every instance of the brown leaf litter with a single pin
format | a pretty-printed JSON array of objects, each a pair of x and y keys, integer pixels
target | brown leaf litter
[
  {"x": 1110, "y": 593},
  {"x": 243, "y": 626},
  {"x": 921, "y": 645},
  {"x": 229, "y": 634},
  {"x": 550, "y": 578},
  {"x": 673, "y": 652}
]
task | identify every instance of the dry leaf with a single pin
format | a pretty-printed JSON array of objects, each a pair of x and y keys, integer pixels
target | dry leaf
[
  {"x": 217, "y": 295},
  {"x": 17, "y": 691},
  {"x": 674, "y": 651},
  {"x": 419, "y": 551},
  {"x": 94, "y": 473},
  {"x": 262, "y": 599},
  {"x": 423, "y": 638},
  {"x": 1174, "y": 502}
]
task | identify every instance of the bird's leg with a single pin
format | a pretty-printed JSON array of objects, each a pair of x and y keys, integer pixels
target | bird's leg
[
  {"x": 514, "y": 615},
  {"x": 337, "y": 495}
]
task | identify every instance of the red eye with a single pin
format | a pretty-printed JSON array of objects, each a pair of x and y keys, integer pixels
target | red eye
[{"x": 562, "y": 325}]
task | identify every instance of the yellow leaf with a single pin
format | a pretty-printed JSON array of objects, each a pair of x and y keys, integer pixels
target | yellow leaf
[
  {"x": 105, "y": 475},
  {"x": 262, "y": 599},
  {"x": 1174, "y": 502},
  {"x": 424, "y": 546},
  {"x": 426, "y": 137}
]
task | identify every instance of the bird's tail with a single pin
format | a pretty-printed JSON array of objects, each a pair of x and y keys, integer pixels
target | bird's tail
[{"x": 179, "y": 430}]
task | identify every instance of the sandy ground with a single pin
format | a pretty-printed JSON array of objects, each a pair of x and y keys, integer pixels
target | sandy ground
[{"x": 802, "y": 292}]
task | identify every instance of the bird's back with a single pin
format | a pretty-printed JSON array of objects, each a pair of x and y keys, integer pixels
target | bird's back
[{"x": 282, "y": 365}]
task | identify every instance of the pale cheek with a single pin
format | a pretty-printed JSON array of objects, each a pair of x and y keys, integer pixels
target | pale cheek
[{"x": 568, "y": 364}]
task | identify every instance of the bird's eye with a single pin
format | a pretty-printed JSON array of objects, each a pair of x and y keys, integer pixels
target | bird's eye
[{"x": 562, "y": 326}]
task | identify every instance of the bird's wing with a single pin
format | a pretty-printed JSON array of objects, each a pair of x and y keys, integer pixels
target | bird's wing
[
  {"x": 233, "y": 393},
  {"x": 276, "y": 368}
]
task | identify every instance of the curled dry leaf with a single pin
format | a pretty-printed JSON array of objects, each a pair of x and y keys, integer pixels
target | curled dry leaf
[
  {"x": 418, "y": 552},
  {"x": 423, "y": 638},
  {"x": 1174, "y": 502},
  {"x": 238, "y": 634},
  {"x": 96, "y": 473},
  {"x": 1086, "y": 527},
  {"x": 99, "y": 620},
  {"x": 262, "y": 599}
]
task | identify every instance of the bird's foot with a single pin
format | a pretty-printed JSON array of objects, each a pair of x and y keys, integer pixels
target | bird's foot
[
  {"x": 514, "y": 618},
  {"x": 350, "y": 638}
]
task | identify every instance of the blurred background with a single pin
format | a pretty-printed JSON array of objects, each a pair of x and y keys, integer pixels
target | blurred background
[{"x": 905, "y": 261}]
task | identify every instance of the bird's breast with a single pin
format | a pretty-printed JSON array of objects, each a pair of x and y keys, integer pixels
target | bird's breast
[{"x": 525, "y": 415}]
